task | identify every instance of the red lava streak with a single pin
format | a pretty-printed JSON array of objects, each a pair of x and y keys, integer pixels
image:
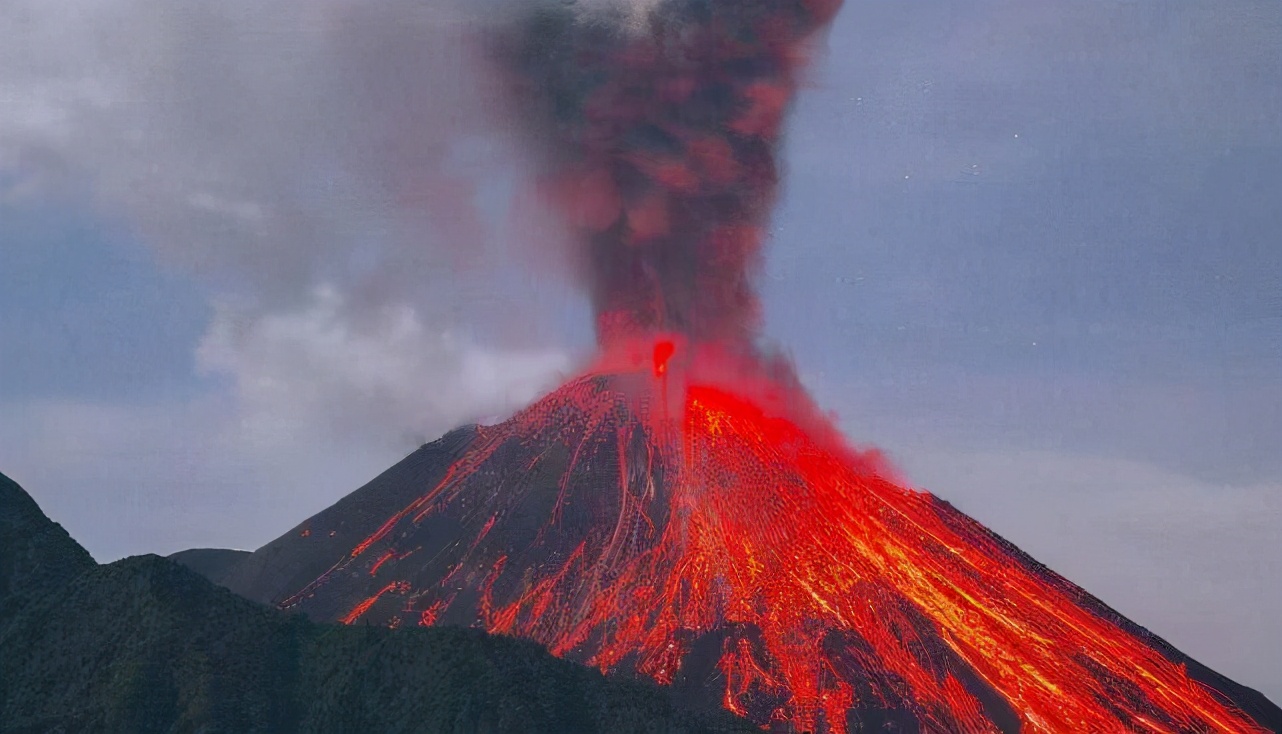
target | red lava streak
[
  {"x": 739, "y": 542},
  {"x": 681, "y": 510},
  {"x": 663, "y": 351}
]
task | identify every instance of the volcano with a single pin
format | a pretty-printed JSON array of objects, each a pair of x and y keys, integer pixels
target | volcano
[
  {"x": 699, "y": 527},
  {"x": 680, "y": 510}
]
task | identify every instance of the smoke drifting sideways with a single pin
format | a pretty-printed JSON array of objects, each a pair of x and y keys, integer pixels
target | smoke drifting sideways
[
  {"x": 330, "y": 173},
  {"x": 656, "y": 132},
  {"x": 334, "y": 164}
]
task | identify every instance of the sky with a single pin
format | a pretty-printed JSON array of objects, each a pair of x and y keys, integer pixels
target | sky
[{"x": 252, "y": 254}]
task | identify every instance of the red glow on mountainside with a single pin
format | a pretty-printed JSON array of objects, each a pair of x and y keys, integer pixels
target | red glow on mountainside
[
  {"x": 740, "y": 521},
  {"x": 364, "y": 606},
  {"x": 663, "y": 351},
  {"x": 681, "y": 510}
]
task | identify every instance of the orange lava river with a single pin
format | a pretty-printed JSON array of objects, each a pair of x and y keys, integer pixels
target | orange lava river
[{"x": 655, "y": 520}]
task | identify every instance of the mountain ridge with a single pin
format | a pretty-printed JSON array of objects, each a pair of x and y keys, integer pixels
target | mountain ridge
[
  {"x": 145, "y": 644},
  {"x": 357, "y": 514},
  {"x": 37, "y": 555},
  {"x": 337, "y": 587}
]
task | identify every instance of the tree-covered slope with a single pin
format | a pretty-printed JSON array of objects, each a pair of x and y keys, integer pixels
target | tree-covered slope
[
  {"x": 147, "y": 645},
  {"x": 36, "y": 555}
]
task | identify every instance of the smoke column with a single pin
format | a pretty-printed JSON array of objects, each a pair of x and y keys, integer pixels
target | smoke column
[
  {"x": 699, "y": 523},
  {"x": 657, "y": 135}
]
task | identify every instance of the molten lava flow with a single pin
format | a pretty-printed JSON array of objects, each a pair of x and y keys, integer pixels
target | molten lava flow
[
  {"x": 735, "y": 543},
  {"x": 680, "y": 510},
  {"x": 663, "y": 351}
]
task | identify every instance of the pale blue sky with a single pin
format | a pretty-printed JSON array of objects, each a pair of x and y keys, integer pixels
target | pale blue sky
[
  {"x": 86, "y": 313},
  {"x": 1033, "y": 251}
]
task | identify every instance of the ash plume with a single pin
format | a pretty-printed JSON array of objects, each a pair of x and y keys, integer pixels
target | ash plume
[
  {"x": 656, "y": 131},
  {"x": 325, "y": 162}
]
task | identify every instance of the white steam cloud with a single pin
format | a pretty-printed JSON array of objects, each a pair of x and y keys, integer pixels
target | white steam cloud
[{"x": 329, "y": 166}]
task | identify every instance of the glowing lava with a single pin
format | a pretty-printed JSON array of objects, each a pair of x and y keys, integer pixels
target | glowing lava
[
  {"x": 681, "y": 510},
  {"x": 738, "y": 545}
]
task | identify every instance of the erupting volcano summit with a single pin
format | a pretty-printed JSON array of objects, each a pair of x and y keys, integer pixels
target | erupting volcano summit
[{"x": 681, "y": 510}]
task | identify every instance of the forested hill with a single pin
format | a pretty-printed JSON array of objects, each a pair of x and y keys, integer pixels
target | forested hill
[
  {"x": 147, "y": 645},
  {"x": 36, "y": 554}
]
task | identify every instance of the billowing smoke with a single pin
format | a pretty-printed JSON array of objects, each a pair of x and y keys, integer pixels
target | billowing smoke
[
  {"x": 347, "y": 168},
  {"x": 656, "y": 129},
  {"x": 330, "y": 170}
]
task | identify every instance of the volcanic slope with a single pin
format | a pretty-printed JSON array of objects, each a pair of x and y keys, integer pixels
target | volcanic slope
[{"x": 744, "y": 558}]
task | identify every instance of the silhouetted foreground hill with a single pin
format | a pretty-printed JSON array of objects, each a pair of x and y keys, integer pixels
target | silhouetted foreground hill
[
  {"x": 36, "y": 554},
  {"x": 146, "y": 645},
  {"x": 212, "y": 563}
]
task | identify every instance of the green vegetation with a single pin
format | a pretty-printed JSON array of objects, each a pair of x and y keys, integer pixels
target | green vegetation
[
  {"x": 36, "y": 554},
  {"x": 147, "y": 645}
]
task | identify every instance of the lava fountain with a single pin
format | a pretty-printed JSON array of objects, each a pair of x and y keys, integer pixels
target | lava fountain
[{"x": 681, "y": 510}]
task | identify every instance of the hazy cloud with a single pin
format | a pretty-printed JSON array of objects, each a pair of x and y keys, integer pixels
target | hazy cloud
[
  {"x": 319, "y": 371},
  {"x": 282, "y": 150}
]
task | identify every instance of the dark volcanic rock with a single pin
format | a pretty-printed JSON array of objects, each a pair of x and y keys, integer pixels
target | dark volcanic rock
[{"x": 291, "y": 561}]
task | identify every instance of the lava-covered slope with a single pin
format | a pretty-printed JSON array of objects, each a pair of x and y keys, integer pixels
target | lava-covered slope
[
  {"x": 694, "y": 520},
  {"x": 739, "y": 555},
  {"x": 279, "y": 568}
]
